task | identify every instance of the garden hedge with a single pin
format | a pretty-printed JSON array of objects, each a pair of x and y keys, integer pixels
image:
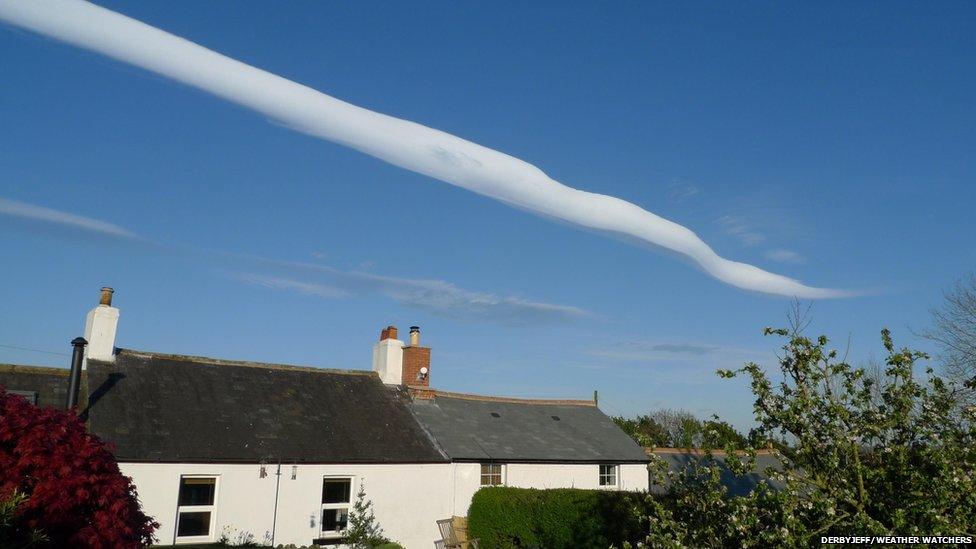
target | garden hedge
[{"x": 504, "y": 518}]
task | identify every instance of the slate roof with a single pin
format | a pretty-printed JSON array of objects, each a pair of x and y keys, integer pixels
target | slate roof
[
  {"x": 49, "y": 386},
  {"x": 677, "y": 459},
  {"x": 170, "y": 408},
  {"x": 474, "y": 428}
]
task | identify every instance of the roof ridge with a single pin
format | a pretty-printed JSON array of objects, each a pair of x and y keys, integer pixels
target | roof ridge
[
  {"x": 701, "y": 451},
  {"x": 243, "y": 363},
  {"x": 513, "y": 400},
  {"x": 25, "y": 368}
]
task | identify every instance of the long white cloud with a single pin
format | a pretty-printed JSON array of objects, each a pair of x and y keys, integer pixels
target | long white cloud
[
  {"x": 400, "y": 142},
  {"x": 12, "y": 208}
]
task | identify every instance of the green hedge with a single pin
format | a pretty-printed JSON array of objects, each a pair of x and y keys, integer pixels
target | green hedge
[{"x": 504, "y": 517}]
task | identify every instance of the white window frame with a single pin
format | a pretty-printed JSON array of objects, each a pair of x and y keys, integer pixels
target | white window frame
[
  {"x": 212, "y": 509},
  {"x": 615, "y": 471},
  {"x": 331, "y": 534},
  {"x": 501, "y": 473}
]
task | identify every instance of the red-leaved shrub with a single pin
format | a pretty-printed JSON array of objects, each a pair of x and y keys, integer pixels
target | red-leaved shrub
[{"x": 76, "y": 494}]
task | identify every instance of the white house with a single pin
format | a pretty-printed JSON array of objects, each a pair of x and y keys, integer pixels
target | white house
[{"x": 227, "y": 446}]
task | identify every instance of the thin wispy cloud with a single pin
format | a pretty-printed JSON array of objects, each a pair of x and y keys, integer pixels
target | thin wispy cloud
[
  {"x": 680, "y": 191},
  {"x": 400, "y": 142},
  {"x": 741, "y": 229},
  {"x": 31, "y": 212},
  {"x": 435, "y": 296},
  {"x": 674, "y": 352},
  {"x": 785, "y": 256},
  {"x": 634, "y": 351},
  {"x": 305, "y": 288}
]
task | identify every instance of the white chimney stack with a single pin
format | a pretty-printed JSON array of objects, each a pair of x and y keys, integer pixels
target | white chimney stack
[
  {"x": 388, "y": 357},
  {"x": 100, "y": 327}
]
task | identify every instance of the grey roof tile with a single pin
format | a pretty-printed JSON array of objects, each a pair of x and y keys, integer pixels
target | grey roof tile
[
  {"x": 49, "y": 385},
  {"x": 172, "y": 408},
  {"x": 487, "y": 429}
]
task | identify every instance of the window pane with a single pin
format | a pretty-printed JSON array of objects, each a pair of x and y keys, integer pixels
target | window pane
[
  {"x": 334, "y": 520},
  {"x": 194, "y": 524},
  {"x": 197, "y": 491},
  {"x": 491, "y": 474},
  {"x": 336, "y": 490}
]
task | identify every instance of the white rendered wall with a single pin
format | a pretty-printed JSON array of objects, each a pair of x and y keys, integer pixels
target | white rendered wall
[
  {"x": 587, "y": 476},
  {"x": 467, "y": 478},
  {"x": 407, "y": 499}
]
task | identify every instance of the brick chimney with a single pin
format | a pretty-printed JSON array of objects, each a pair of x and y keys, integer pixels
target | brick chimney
[
  {"x": 388, "y": 356},
  {"x": 101, "y": 325},
  {"x": 399, "y": 364},
  {"x": 416, "y": 361}
]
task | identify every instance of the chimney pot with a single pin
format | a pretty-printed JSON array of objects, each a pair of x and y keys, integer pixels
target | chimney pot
[
  {"x": 414, "y": 336},
  {"x": 390, "y": 332},
  {"x": 106, "y": 298}
]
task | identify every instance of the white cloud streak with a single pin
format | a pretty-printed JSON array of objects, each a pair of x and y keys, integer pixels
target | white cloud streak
[
  {"x": 785, "y": 256},
  {"x": 400, "y": 142},
  {"x": 304, "y": 288},
  {"x": 435, "y": 296},
  {"x": 11, "y": 208},
  {"x": 740, "y": 229},
  {"x": 680, "y": 191}
]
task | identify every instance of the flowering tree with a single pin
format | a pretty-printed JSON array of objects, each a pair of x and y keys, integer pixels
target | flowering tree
[
  {"x": 66, "y": 483},
  {"x": 859, "y": 456}
]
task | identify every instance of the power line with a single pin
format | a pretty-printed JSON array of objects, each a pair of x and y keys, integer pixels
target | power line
[{"x": 15, "y": 347}]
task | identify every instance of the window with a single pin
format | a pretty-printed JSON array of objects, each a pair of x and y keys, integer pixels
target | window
[
  {"x": 196, "y": 507},
  {"x": 336, "y": 494},
  {"x": 491, "y": 474},
  {"x": 608, "y": 475}
]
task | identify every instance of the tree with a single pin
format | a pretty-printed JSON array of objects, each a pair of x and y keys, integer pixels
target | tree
[
  {"x": 901, "y": 464},
  {"x": 954, "y": 331},
  {"x": 364, "y": 531},
  {"x": 682, "y": 428},
  {"x": 13, "y": 534},
  {"x": 716, "y": 433},
  {"x": 67, "y": 482},
  {"x": 643, "y": 429},
  {"x": 679, "y": 429}
]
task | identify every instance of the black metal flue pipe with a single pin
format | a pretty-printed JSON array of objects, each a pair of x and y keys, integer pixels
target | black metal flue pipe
[{"x": 74, "y": 383}]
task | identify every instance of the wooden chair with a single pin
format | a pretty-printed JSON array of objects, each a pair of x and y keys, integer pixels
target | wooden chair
[
  {"x": 454, "y": 534},
  {"x": 448, "y": 536}
]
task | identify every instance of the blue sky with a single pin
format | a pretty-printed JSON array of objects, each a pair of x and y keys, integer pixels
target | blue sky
[{"x": 832, "y": 144}]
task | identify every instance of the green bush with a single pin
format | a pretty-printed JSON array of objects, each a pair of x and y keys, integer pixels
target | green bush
[{"x": 504, "y": 517}]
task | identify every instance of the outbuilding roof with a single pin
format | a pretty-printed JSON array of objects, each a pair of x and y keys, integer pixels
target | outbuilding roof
[
  {"x": 678, "y": 459},
  {"x": 172, "y": 408},
  {"x": 476, "y": 428},
  {"x": 41, "y": 385}
]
